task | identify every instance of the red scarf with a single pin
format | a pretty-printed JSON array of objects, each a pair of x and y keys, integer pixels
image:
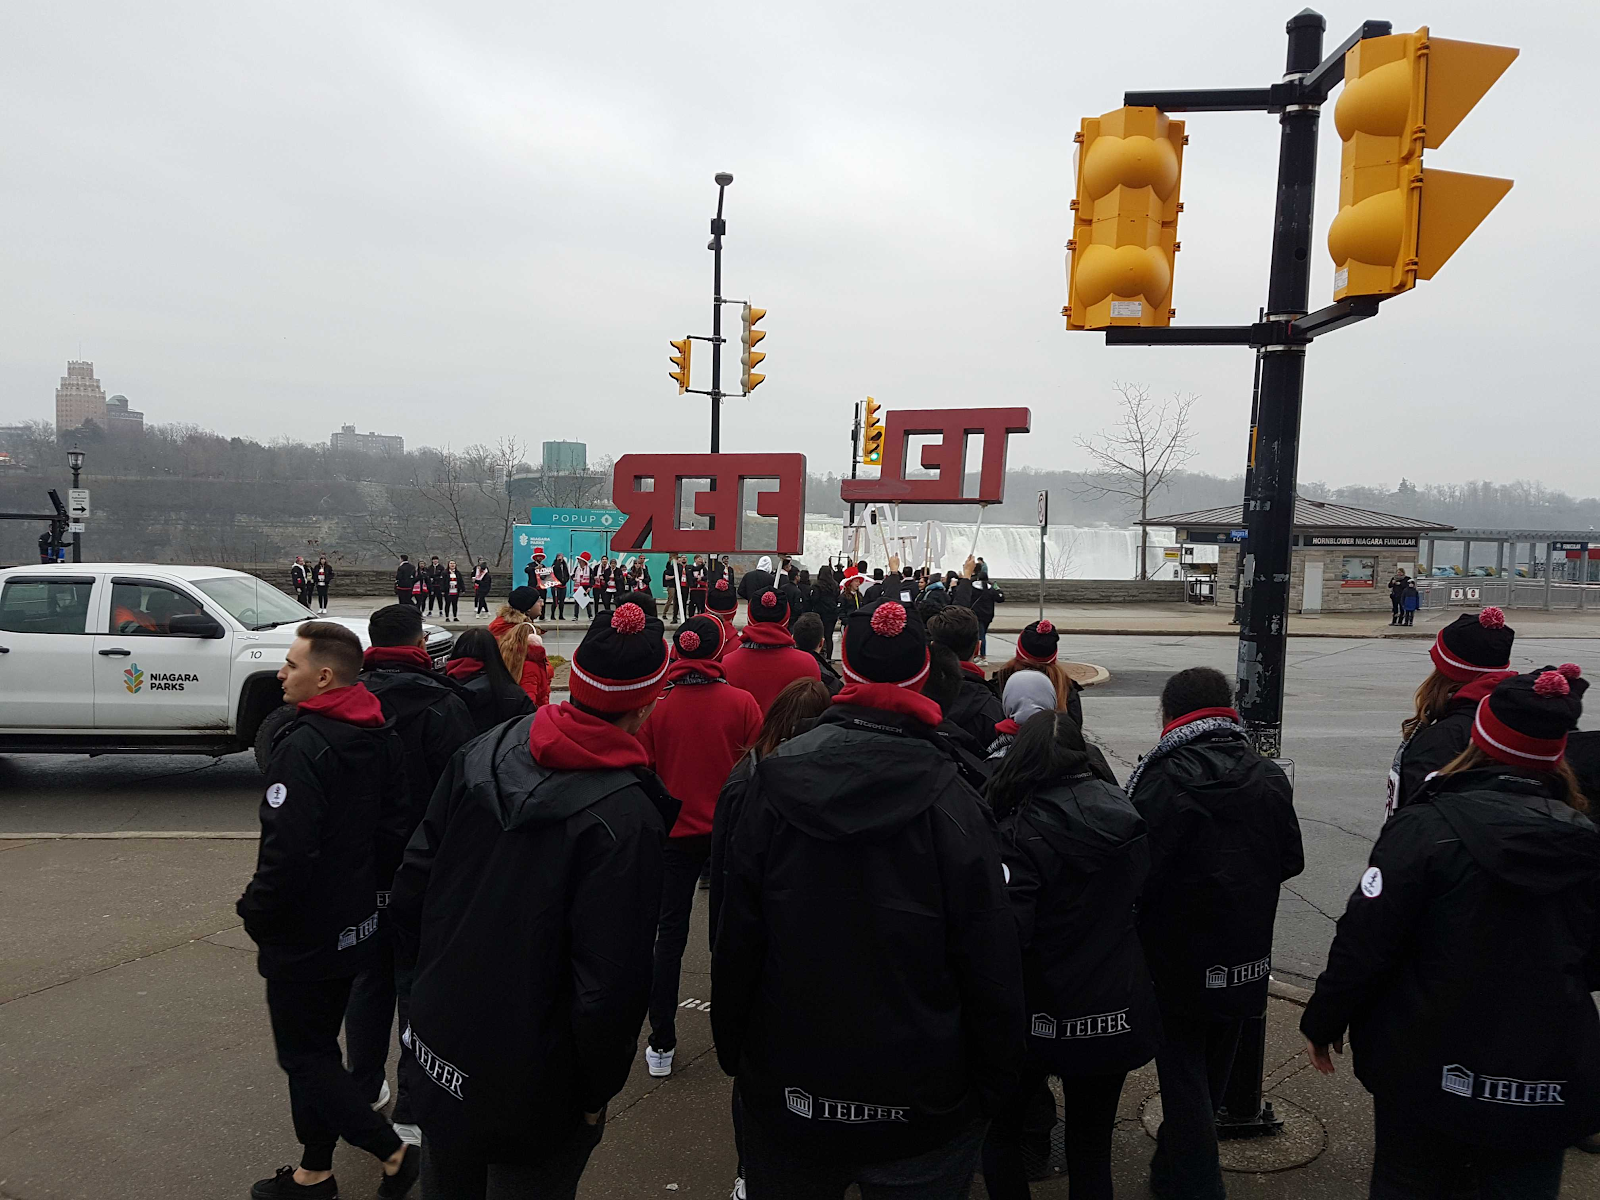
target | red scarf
[
  {"x": 403, "y": 656},
  {"x": 973, "y": 669},
  {"x": 564, "y": 739},
  {"x": 891, "y": 698},
  {"x": 766, "y": 633},
  {"x": 1482, "y": 685},
  {"x": 1008, "y": 727},
  {"x": 462, "y": 668},
  {"x": 707, "y": 668},
  {"x": 1199, "y": 714},
  {"x": 353, "y": 705}
]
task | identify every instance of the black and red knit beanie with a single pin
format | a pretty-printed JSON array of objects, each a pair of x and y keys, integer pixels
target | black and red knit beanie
[
  {"x": 1525, "y": 720},
  {"x": 769, "y": 605},
  {"x": 698, "y": 637},
  {"x": 886, "y": 642},
  {"x": 1472, "y": 645},
  {"x": 721, "y": 598},
  {"x": 1037, "y": 643},
  {"x": 620, "y": 663},
  {"x": 523, "y": 598}
]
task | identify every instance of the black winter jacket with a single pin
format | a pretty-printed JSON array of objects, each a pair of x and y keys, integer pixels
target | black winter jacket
[
  {"x": 333, "y": 824},
  {"x": 490, "y": 707},
  {"x": 861, "y": 867},
  {"x": 824, "y": 601},
  {"x": 1433, "y": 747},
  {"x": 977, "y": 710},
  {"x": 529, "y": 899},
  {"x": 1223, "y": 838},
  {"x": 1464, "y": 961},
  {"x": 404, "y": 576},
  {"x": 431, "y": 716},
  {"x": 1076, "y": 858}
]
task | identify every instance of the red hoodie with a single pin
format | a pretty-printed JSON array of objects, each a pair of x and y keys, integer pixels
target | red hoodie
[
  {"x": 353, "y": 705},
  {"x": 767, "y": 661},
  {"x": 700, "y": 728}
]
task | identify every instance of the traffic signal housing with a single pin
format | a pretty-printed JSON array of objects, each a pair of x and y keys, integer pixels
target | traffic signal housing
[
  {"x": 871, "y": 435},
  {"x": 1125, "y": 219},
  {"x": 681, "y": 361},
  {"x": 1398, "y": 222},
  {"x": 751, "y": 357}
]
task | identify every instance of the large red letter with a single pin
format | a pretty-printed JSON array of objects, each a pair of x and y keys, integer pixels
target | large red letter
[
  {"x": 653, "y": 515},
  {"x": 948, "y": 456}
]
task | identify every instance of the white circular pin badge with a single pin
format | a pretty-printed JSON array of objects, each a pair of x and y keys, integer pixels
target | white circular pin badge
[
  {"x": 1372, "y": 883},
  {"x": 277, "y": 794}
]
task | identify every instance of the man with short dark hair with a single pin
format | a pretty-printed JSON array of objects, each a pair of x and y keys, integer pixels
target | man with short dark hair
[
  {"x": 531, "y": 891},
  {"x": 433, "y": 721},
  {"x": 405, "y": 578},
  {"x": 331, "y": 827},
  {"x": 976, "y": 709},
  {"x": 808, "y": 637}
]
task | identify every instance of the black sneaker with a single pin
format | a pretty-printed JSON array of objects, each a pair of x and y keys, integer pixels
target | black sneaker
[
  {"x": 397, "y": 1185},
  {"x": 282, "y": 1185}
]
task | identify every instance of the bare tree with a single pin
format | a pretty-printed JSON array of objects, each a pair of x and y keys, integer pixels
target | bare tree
[
  {"x": 1137, "y": 457},
  {"x": 1060, "y": 559},
  {"x": 493, "y": 467}
]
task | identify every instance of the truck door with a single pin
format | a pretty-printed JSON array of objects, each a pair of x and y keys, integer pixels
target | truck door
[
  {"x": 147, "y": 676},
  {"x": 46, "y": 652}
]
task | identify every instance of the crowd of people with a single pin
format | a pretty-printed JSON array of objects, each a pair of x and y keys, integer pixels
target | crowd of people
[
  {"x": 929, "y": 894},
  {"x": 311, "y": 580}
]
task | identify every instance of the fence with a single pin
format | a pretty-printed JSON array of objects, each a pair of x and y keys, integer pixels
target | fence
[{"x": 1506, "y": 593}]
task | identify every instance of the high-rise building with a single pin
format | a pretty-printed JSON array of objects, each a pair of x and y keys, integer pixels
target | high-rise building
[
  {"x": 80, "y": 398},
  {"x": 121, "y": 419},
  {"x": 566, "y": 458},
  {"x": 349, "y": 441}
]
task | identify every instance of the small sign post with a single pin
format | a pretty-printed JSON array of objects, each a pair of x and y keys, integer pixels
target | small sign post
[
  {"x": 77, "y": 503},
  {"x": 1044, "y": 523}
]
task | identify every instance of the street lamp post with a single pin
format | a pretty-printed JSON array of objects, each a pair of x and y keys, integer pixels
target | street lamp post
[
  {"x": 75, "y": 461},
  {"x": 718, "y": 228}
]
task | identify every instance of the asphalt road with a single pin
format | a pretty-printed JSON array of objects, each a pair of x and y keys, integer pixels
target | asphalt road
[{"x": 1346, "y": 699}]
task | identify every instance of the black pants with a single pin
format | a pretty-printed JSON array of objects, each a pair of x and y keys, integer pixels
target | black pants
[
  {"x": 402, "y": 597},
  {"x": 1089, "y": 1112},
  {"x": 480, "y": 599},
  {"x": 558, "y": 597},
  {"x": 322, "y": 595},
  {"x": 1412, "y": 1162},
  {"x": 680, "y": 876},
  {"x": 452, "y": 607},
  {"x": 1394, "y": 610},
  {"x": 456, "y": 1176},
  {"x": 1408, "y": 617},
  {"x": 323, "y": 1097},
  {"x": 773, "y": 1171},
  {"x": 694, "y": 603},
  {"x": 827, "y": 637},
  {"x": 375, "y": 995},
  {"x": 1193, "y": 1066}
]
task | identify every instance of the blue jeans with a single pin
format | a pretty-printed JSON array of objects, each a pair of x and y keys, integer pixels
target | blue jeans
[
  {"x": 983, "y": 640},
  {"x": 1413, "y": 1162},
  {"x": 774, "y": 1172}
]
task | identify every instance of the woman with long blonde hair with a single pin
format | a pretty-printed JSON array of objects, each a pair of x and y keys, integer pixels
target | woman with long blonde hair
[
  {"x": 1470, "y": 656},
  {"x": 521, "y": 647}
]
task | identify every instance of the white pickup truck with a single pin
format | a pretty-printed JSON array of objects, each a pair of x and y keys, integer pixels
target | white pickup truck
[{"x": 120, "y": 658}]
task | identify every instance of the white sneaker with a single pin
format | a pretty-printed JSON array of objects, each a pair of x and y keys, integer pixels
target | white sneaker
[
  {"x": 383, "y": 1097},
  {"x": 659, "y": 1061},
  {"x": 411, "y": 1135},
  {"x": 738, "y": 1188}
]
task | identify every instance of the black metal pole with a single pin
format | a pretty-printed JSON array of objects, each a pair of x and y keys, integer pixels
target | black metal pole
[
  {"x": 77, "y": 538},
  {"x": 1269, "y": 507},
  {"x": 1249, "y": 484},
  {"x": 718, "y": 228},
  {"x": 855, "y": 455}
]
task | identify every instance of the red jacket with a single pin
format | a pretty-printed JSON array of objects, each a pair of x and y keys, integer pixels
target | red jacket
[
  {"x": 767, "y": 661},
  {"x": 536, "y": 672},
  {"x": 700, "y": 727}
]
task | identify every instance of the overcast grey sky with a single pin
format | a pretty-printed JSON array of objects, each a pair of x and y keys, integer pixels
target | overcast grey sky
[{"x": 455, "y": 220}]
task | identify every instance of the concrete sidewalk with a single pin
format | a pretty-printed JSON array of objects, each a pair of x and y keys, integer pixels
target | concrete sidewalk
[
  {"x": 1174, "y": 620},
  {"x": 139, "y": 1063}
]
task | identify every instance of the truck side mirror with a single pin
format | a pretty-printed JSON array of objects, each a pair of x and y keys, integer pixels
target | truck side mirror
[{"x": 195, "y": 625}]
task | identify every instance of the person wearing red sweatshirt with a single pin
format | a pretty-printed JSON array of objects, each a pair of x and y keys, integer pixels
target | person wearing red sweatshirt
[
  {"x": 333, "y": 825},
  {"x": 522, "y": 651},
  {"x": 529, "y": 896},
  {"x": 721, "y": 604},
  {"x": 767, "y": 659},
  {"x": 700, "y": 728}
]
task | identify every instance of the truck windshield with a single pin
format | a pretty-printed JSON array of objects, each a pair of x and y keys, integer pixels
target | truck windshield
[{"x": 252, "y": 602}]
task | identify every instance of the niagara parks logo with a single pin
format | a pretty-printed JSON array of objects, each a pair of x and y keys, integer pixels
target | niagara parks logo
[{"x": 133, "y": 678}]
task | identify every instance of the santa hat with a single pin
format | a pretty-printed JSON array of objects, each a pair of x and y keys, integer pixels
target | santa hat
[
  {"x": 1037, "y": 643},
  {"x": 851, "y": 575},
  {"x": 721, "y": 598},
  {"x": 698, "y": 637},
  {"x": 1525, "y": 720},
  {"x": 584, "y": 557},
  {"x": 538, "y": 551},
  {"x": 769, "y": 606},
  {"x": 619, "y": 665},
  {"x": 1471, "y": 645},
  {"x": 886, "y": 642}
]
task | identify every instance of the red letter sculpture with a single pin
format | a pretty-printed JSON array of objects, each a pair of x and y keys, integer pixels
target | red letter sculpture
[
  {"x": 948, "y": 456},
  {"x": 653, "y": 514}
]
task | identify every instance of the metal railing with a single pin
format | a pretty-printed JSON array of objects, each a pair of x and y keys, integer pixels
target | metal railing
[{"x": 1476, "y": 592}]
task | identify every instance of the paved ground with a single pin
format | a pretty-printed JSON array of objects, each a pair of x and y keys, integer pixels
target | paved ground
[{"x": 137, "y": 1060}]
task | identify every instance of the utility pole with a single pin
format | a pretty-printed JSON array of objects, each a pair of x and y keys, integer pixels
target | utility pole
[
  {"x": 855, "y": 455},
  {"x": 718, "y": 228}
]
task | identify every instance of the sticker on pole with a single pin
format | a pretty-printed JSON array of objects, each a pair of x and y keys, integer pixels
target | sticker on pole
[
  {"x": 1372, "y": 883},
  {"x": 1127, "y": 308}
]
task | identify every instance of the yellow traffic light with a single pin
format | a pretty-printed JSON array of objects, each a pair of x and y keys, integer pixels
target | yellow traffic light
[
  {"x": 681, "y": 361},
  {"x": 1125, "y": 219},
  {"x": 871, "y": 435},
  {"x": 751, "y": 357},
  {"x": 1397, "y": 222}
]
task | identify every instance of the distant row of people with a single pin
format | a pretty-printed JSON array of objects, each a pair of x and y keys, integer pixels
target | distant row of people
[{"x": 311, "y": 579}]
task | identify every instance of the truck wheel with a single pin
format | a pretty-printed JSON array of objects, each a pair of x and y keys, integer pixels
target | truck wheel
[{"x": 270, "y": 724}]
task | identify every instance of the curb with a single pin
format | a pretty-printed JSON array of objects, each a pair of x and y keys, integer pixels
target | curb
[{"x": 1279, "y": 990}]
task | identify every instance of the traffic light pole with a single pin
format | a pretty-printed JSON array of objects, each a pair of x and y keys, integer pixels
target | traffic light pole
[{"x": 718, "y": 228}]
